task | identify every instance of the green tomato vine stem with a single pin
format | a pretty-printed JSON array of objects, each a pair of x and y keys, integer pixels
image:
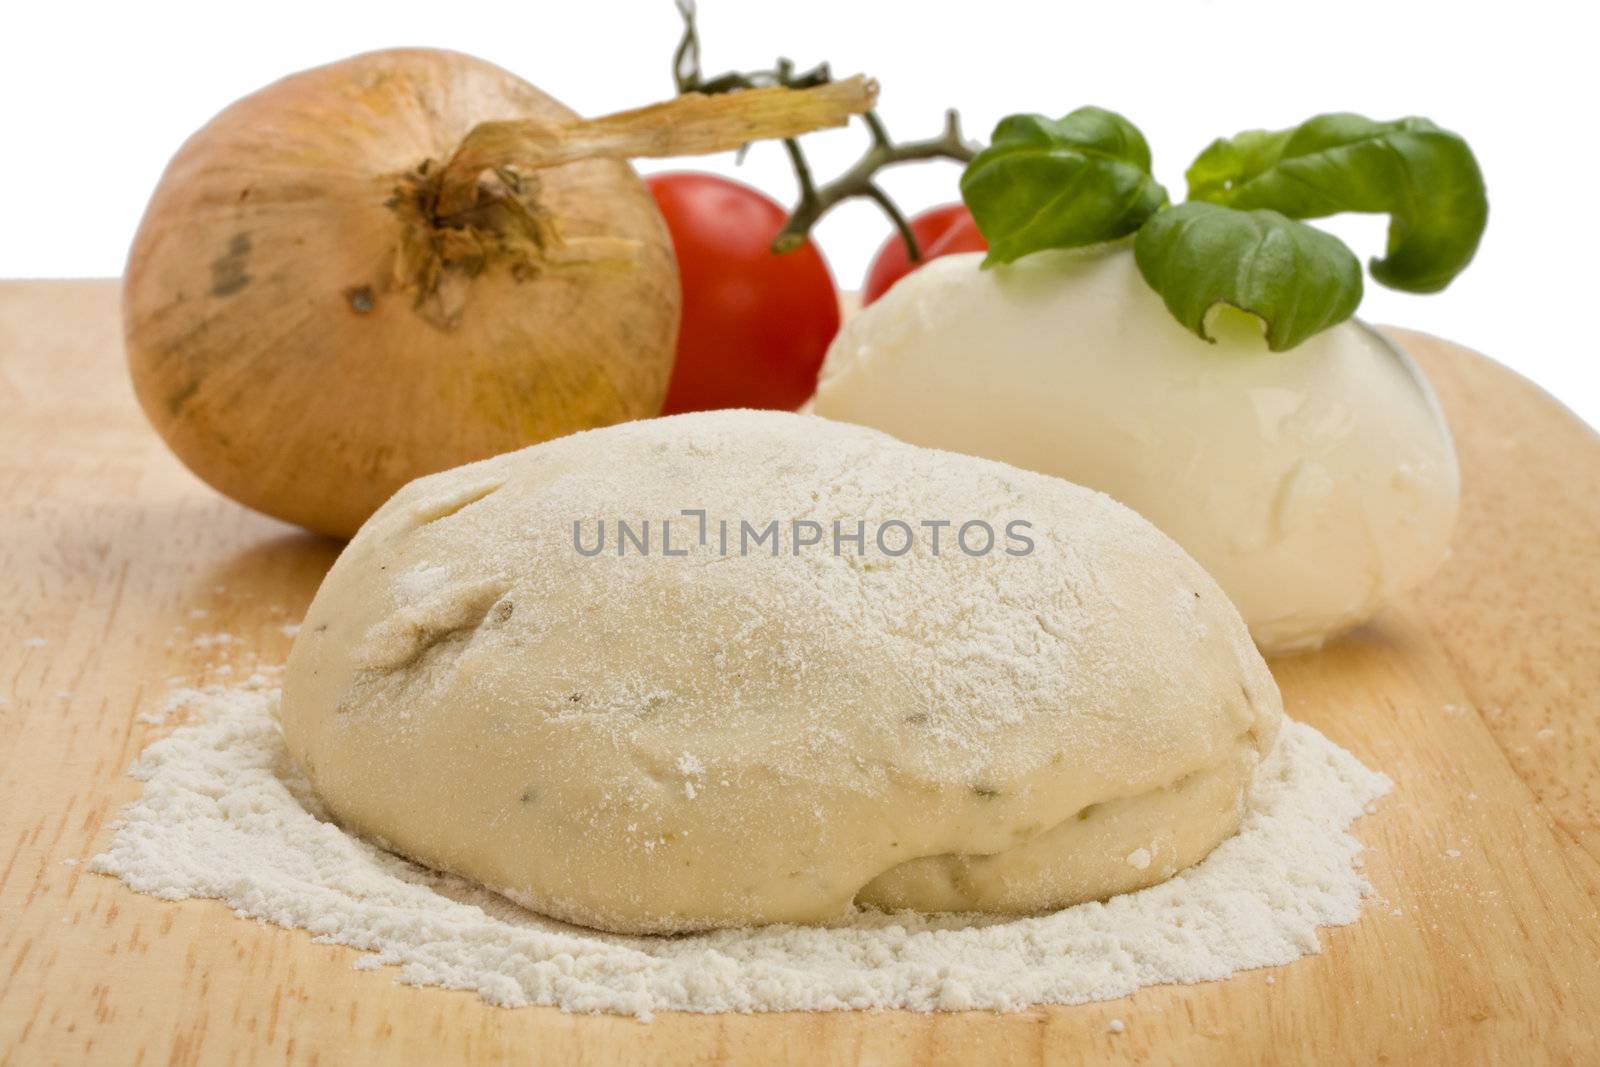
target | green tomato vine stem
[{"x": 860, "y": 180}]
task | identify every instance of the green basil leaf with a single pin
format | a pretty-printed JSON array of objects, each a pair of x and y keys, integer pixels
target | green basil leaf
[
  {"x": 1227, "y": 161},
  {"x": 1295, "y": 278},
  {"x": 1065, "y": 183},
  {"x": 1425, "y": 179}
]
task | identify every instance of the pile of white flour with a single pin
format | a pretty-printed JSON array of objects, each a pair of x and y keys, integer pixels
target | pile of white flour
[{"x": 225, "y": 814}]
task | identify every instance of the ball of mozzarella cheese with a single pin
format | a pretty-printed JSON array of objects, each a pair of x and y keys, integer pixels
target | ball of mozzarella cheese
[{"x": 1314, "y": 484}]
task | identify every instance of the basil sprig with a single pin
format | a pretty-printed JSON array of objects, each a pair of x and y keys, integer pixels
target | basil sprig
[
  {"x": 1297, "y": 279},
  {"x": 1043, "y": 183},
  {"x": 1086, "y": 179},
  {"x": 1425, "y": 179}
]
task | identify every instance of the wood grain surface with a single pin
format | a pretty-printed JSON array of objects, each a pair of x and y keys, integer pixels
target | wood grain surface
[{"x": 1481, "y": 697}]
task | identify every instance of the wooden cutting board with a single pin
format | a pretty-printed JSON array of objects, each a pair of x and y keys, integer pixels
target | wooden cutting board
[{"x": 1480, "y": 696}]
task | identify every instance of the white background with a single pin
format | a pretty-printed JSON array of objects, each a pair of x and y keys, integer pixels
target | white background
[{"x": 94, "y": 99}]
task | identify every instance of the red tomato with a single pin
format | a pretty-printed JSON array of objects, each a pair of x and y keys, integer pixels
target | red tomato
[
  {"x": 940, "y": 231},
  {"x": 755, "y": 324}
]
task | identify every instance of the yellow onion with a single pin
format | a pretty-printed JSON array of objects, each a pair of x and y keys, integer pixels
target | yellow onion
[{"x": 409, "y": 260}]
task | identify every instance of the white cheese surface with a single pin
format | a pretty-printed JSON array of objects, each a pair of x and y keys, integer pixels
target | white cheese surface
[{"x": 1313, "y": 484}]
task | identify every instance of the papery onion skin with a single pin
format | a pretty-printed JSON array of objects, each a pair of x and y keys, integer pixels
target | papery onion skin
[{"x": 275, "y": 341}]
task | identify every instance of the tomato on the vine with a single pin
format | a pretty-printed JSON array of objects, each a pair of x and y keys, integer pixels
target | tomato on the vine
[
  {"x": 940, "y": 231},
  {"x": 756, "y": 324}
]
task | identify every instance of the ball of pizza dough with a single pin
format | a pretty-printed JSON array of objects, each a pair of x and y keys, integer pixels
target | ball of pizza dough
[
  {"x": 1314, "y": 484},
  {"x": 747, "y": 667}
]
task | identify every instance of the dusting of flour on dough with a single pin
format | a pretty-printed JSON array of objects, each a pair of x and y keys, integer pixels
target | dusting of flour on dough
[
  {"x": 770, "y": 732},
  {"x": 225, "y": 814}
]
